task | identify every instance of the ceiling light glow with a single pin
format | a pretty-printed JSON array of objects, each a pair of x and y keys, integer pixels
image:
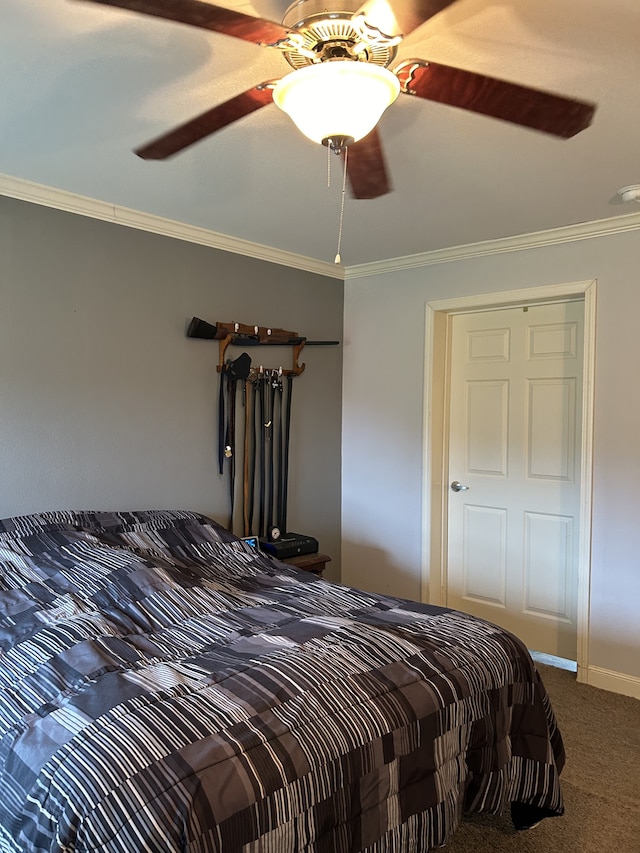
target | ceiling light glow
[{"x": 340, "y": 98}]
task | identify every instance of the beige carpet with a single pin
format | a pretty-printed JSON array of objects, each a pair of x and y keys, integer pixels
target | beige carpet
[{"x": 600, "y": 782}]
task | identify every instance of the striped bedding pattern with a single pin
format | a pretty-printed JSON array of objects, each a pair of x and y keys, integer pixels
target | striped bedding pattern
[{"x": 166, "y": 687}]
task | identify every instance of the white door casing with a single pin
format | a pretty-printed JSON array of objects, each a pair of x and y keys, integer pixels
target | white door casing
[
  {"x": 514, "y": 430},
  {"x": 436, "y": 482}
]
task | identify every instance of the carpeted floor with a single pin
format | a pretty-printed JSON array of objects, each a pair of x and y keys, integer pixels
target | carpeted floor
[{"x": 601, "y": 780}]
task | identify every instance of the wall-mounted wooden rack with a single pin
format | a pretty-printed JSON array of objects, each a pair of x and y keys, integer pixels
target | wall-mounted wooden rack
[{"x": 241, "y": 334}]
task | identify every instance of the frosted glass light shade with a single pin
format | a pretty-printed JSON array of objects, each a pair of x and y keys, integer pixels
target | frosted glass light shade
[{"x": 339, "y": 98}]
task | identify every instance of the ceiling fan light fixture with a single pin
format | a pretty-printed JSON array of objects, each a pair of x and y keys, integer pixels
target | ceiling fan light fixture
[{"x": 339, "y": 98}]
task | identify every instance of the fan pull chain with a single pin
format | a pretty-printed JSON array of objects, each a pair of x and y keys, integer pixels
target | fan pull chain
[
  {"x": 338, "y": 259},
  {"x": 329, "y": 152}
]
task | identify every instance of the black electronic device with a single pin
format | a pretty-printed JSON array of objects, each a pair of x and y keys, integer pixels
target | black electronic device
[{"x": 290, "y": 545}]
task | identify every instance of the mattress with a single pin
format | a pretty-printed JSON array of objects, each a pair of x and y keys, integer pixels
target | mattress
[{"x": 164, "y": 686}]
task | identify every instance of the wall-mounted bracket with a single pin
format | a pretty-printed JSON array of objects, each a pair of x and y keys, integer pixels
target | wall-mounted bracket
[
  {"x": 240, "y": 334},
  {"x": 232, "y": 340}
]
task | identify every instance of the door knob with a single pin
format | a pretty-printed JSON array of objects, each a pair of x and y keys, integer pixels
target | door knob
[{"x": 458, "y": 487}]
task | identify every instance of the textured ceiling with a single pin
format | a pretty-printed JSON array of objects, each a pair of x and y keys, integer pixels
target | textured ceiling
[{"x": 82, "y": 85}]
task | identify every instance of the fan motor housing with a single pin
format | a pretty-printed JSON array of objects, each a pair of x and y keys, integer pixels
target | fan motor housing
[{"x": 328, "y": 33}]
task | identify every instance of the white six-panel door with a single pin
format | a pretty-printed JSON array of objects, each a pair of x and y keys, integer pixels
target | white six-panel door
[{"x": 514, "y": 449}]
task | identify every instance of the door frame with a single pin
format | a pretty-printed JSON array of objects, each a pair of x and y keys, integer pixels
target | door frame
[{"x": 436, "y": 430}]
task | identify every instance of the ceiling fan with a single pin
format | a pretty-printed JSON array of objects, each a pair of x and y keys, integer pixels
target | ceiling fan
[{"x": 326, "y": 44}]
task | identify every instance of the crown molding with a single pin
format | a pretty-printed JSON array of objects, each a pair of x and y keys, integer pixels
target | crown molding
[
  {"x": 537, "y": 239},
  {"x": 84, "y": 206},
  {"x": 24, "y": 190}
]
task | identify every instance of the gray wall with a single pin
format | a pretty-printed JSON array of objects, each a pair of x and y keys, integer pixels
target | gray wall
[
  {"x": 104, "y": 402},
  {"x": 382, "y": 525}
]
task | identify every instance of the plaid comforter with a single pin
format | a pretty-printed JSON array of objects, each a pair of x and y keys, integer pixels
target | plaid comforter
[{"x": 165, "y": 687}]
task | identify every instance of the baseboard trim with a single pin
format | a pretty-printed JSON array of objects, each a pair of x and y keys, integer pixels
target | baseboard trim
[{"x": 615, "y": 682}]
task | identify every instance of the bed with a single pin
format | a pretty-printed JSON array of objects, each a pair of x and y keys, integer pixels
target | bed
[{"x": 167, "y": 687}]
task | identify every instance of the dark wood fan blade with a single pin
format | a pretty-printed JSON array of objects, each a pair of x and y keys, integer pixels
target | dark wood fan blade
[
  {"x": 408, "y": 14},
  {"x": 366, "y": 168},
  {"x": 532, "y": 108},
  {"x": 204, "y": 125},
  {"x": 208, "y": 17}
]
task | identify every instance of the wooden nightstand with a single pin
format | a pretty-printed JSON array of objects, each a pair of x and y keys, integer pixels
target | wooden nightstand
[{"x": 309, "y": 562}]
